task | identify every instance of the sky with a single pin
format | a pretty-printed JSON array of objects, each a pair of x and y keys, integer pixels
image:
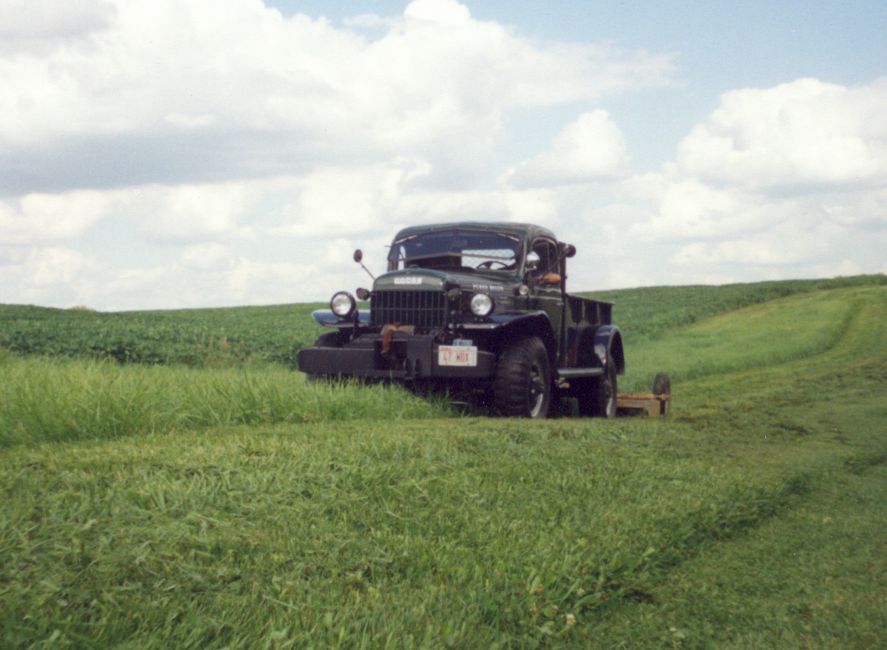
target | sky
[{"x": 161, "y": 154}]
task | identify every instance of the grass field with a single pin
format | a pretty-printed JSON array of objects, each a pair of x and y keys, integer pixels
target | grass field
[
  {"x": 241, "y": 507},
  {"x": 237, "y": 336}
]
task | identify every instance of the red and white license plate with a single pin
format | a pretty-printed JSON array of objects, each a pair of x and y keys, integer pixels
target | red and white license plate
[{"x": 457, "y": 355}]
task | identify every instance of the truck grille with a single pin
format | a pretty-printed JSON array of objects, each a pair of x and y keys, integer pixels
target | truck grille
[{"x": 419, "y": 308}]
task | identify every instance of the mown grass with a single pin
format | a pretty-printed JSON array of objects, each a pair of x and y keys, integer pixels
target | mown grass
[
  {"x": 752, "y": 517},
  {"x": 811, "y": 578},
  {"x": 483, "y": 535},
  {"x": 650, "y": 312},
  {"x": 771, "y": 333}
]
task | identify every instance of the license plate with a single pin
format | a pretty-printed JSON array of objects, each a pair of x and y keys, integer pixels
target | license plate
[{"x": 457, "y": 355}]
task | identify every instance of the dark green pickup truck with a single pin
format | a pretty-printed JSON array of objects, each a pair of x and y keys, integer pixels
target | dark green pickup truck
[{"x": 478, "y": 307}]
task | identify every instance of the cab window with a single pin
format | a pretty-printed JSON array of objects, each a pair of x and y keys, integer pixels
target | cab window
[{"x": 542, "y": 258}]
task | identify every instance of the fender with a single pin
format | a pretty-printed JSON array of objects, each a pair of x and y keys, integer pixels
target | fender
[
  {"x": 529, "y": 323},
  {"x": 327, "y": 318},
  {"x": 608, "y": 344},
  {"x": 505, "y": 319}
]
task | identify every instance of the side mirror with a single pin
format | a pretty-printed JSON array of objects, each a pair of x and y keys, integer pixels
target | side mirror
[
  {"x": 358, "y": 257},
  {"x": 567, "y": 250}
]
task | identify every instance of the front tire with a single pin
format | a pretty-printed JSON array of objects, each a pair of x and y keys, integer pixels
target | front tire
[
  {"x": 522, "y": 387},
  {"x": 326, "y": 340},
  {"x": 329, "y": 340}
]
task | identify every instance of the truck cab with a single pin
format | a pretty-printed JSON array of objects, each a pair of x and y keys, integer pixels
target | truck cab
[{"x": 481, "y": 306}]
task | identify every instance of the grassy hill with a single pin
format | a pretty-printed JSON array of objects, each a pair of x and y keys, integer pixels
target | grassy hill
[{"x": 188, "y": 507}]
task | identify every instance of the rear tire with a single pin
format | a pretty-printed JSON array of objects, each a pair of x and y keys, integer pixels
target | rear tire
[
  {"x": 605, "y": 392},
  {"x": 597, "y": 395},
  {"x": 522, "y": 387}
]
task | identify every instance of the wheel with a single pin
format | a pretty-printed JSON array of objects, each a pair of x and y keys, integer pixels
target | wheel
[
  {"x": 661, "y": 384},
  {"x": 328, "y": 340},
  {"x": 597, "y": 395},
  {"x": 604, "y": 395},
  {"x": 522, "y": 386}
]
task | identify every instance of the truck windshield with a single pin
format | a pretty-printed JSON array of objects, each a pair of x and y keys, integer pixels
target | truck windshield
[{"x": 456, "y": 249}]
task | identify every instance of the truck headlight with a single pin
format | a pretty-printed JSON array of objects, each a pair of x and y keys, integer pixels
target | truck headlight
[
  {"x": 343, "y": 304},
  {"x": 481, "y": 304}
]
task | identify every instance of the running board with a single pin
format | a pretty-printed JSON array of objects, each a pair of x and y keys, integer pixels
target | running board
[{"x": 576, "y": 373}]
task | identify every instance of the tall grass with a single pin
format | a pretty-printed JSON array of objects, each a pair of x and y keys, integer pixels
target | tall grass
[{"x": 45, "y": 400}]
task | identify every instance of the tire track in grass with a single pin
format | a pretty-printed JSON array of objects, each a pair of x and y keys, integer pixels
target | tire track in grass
[
  {"x": 769, "y": 334},
  {"x": 858, "y": 351},
  {"x": 812, "y": 577}
]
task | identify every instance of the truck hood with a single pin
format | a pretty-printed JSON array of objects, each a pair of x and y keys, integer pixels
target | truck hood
[{"x": 431, "y": 279}]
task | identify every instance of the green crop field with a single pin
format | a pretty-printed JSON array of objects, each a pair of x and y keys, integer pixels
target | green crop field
[
  {"x": 210, "y": 497},
  {"x": 193, "y": 337}
]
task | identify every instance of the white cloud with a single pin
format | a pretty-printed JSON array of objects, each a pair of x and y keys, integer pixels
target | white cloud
[
  {"x": 356, "y": 199},
  {"x": 778, "y": 182},
  {"x": 192, "y": 212},
  {"x": 43, "y": 217},
  {"x": 690, "y": 209},
  {"x": 47, "y": 275},
  {"x": 184, "y": 121},
  {"x": 216, "y": 95},
  {"x": 439, "y": 12},
  {"x": 35, "y": 25},
  {"x": 236, "y": 280},
  {"x": 52, "y": 265},
  {"x": 429, "y": 206},
  {"x": 803, "y": 135},
  {"x": 210, "y": 256},
  {"x": 370, "y": 21},
  {"x": 590, "y": 148}
]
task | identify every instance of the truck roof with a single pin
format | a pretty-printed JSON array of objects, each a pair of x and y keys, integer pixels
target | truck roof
[{"x": 518, "y": 229}]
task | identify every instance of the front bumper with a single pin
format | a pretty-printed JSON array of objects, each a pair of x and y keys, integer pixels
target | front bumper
[{"x": 407, "y": 357}]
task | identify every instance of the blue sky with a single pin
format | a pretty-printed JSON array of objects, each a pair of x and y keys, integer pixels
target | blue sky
[
  {"x": 179, "y": 153},
  {"x": 720, "y": 44}
]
